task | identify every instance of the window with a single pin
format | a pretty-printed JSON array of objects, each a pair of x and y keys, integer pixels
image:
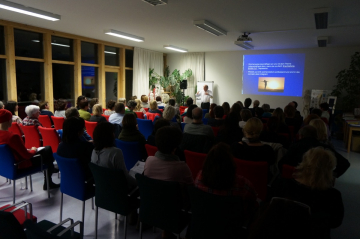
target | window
[
  {"x": 29, "y": 81},
  {"x": 89, "y": 81},
  {"x": 129, "y": 57},
  {"x": 128, "y": 84},
  {"x": 111, "y": 56},
  {"x": 62, "y": 49},
  {"x": 89, "y": 52},
  {"x": 2, "y": 80},
  {"x": 63, "y": 82},
  {"x": 2, "y": 41},
  {"x": 28, "y": 44}
]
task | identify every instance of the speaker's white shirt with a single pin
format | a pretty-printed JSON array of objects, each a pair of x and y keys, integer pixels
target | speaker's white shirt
[{"x": 205, "y": 98}]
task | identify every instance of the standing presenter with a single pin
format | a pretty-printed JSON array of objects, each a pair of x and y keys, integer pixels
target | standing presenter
[{"x": 205, "y": 97}]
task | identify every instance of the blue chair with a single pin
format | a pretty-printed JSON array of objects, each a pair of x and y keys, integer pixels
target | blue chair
[
  {"x": 205, "y": 121},
  {"x": 204, "y": 112},
  {"x": 131, "y": 152},
  {"x": 146, "y": 127},
  {"x": 73, "y": 182},
  {"x": 174, "y": 119},
  {"x": 161, "y": 107},
  {"x": 8, "y": 169},
  {"x": 183, "y": 126}
]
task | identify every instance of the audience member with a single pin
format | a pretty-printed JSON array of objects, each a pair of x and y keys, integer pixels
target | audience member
[
  {"x": 325, "y": 111},
  {"x": 83, "y": 111},
  {"x": 12, "y": 106},
  {"x": 211, "y": 114},
  {"x": 97, "y": 114},
  {"x": 247, "y": 103},
  {"x": 309, "y": 118},
  {"x": 281, "y": 126},
  {"x": 123, "y": 101},
  {"x": 118, "y": 116},
  {"x": 73, "y": 112},
  {"x": 173, "y": 104},
  {"x": 131, "y": 106},
  {"x": 138, "y": 107},
  {"x": 189, "y": 114},
  {"x": 134, "y": 97},
  {"x": 189, "y": 102},
  {"x": 297, "y": 114},
  {"x": 158, "y": 124},
  {"x": 230, "y": 131},
  {"x": 236, "y": 109},
  {"x": 60, "y": 107},
  {"x": 110, "y": 107},
  {"x": 144, "y": 101},
  {"x": 92, "y": 102},
  {"x": 32, "y": 118},
  {"x": 274, "y": 131},
  {"x": 266, "y": 108},
  {"x": 44, "y": 110},
  {"x": 322, "y": 131},
  {"x": 218, "y": 120},
  {"x": 159, "y": 102},
  {"x": 197, "y": 127},
  {"x": 258, "y": 112},
  {"x": 245, "y": 116},
  {"x": 2, "y": 106},
  {"x": 226, "y": 108},
  {"x": 256, "y": 104},
  {"x": 290, "y": 119},
  {"x": 169, "y": 114},
  {"x": 240, "y": 103},
  {"x": 154, "y": 108},
  {"x": 316, "y": 111},
  {"x": 78, "y": 100}
]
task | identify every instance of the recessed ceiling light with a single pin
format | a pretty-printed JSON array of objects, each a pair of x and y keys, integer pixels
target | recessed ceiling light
[
  {"x": 110, "y": 52},
  {"x": 175, "y": 48},
  {"x": 210, "y": 28},
  {"x": 124, "y": 35},
  {"x": 28, "y": 11}
]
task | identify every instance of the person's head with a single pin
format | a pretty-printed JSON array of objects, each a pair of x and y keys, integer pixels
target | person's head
[
  {"x": 226, "y": 107},
  {"x": 252, "y": 129},
  {"x": 245, "y": 114},
  {"x": 211, "y": 111},
  {"x": 240, "y": 103},
  {"x": 317, "y": 112},
  {"x": 132, "y": 105},
  {"x": 122, "y": 100},
  {"x": 44, "y": 105},
  {"x": 189, "y": 112},
  {"x": 273, "y": 124},
  {"x": 144, "y": 99},
  {"x": 206, "y": 87},
  {"x": 289, "y": 111},
  {"x": 324, "y": 106},
  {"x": 169, "y": 112},
  {"x": 103, "y": 135},
  {"x": 129, "y": 121},
  {"x": 33, "y": 97},
  {"x": 189, "y": 101},
  {"x": 93, "y": 102},
  {"x": 60, "y": 105},
  {"x": 266, "y": 107},
  {"x": 153, "y": 105},
  {"x": 73, "y": 128},
  {"x": 321, "y": 129},
  {"x": 1, "y": 105},
  {"x": 279, "y": 113},
  {"x": 120, "y": 108},
  {"x": 219, "y": 170},
  {"x": 316, "y": 168},
  {"x": 167, "y": 139},
  {"x": 138, "y": 105},
  {"x": 172, "y": 102},
  {"x": 295, "y": 104},
  {"x": 219, "y": 112},
  {"x": 159, "y": 124},
  {"x": 33, "y": 111},
  {"x": 5, "y": 119},
  {"x": 256, "y": 103},
  {"x": 236, "y": 108},
  {"x": 97, "y": 109},
  {"x": 11, "y": 106},
  {"x": 247, "y": 102},
  {"x": 197, "y": 114},
  {"x": 79, "y": 99},
  {"x": 309, "y": 118},
  {"x": 158, "y": 98},
  {"x": 71, "y": 112},
  {"x": 134, "y": 97},
  {"x": 259, "y": 112},
  {"x": 307, "y": 131},
  {"x": 84, "y": 105},
  {"x": 110, "y": 104}
]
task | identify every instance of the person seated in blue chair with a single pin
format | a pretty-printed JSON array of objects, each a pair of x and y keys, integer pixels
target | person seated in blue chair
[
  {"x": 154, "y": 108},
  {"x": 17, "y": 146},
  {"x": 73, "y": 112}
]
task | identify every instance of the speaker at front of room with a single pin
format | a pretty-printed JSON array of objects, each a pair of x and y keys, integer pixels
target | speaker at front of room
[{"x": 183, "y": 85}]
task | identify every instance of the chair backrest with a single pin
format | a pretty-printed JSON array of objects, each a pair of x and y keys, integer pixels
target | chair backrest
[
  {"x": 151, "y": 116},
  {"x": 131, "y": 152},
  {"x": 256, "y": 173},
  {"x": 15, "y": 129},
  {"x": 50, "y": 138},
  {"x": 146, "y": 109},
  {"x": 45, "y": 121},
  {"x": 36, "y": 231},
  {"x": 162, "y": 110},
  {"x": 204, "y": 111},
  {"x": 7, "y": 160},
  {"x": 58, "y": 122},
  {"x": 140, "y": 115},
  {"x": 32, "y": 136},
  {"x": 111, "y": 189},
  {"x": 72, "y": 177},
  {"x": 224, "y": 215},
  {"x": 183, "y": 126},
  {"x": 161, "y": 107},
  {"x": 160, "y": 204},
  {"x": 196, "y": 143},
  {"x": 146, "y": 127},
  {"x": 10, "y": 227},
  {"x": 205, "y": 121},
  {"x": 90, "y": 127},
  {"x": 106, "y": 117},
  {"x": 151, "y": 150},
  {"x": 182, "y": 109},
  {"x": 287, "y": 171},
  {"x": 195, "y": 161},
  {"x": 216, "y": 130}
]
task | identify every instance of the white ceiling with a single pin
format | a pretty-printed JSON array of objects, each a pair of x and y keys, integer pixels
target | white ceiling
[{"x": 287, "y": 23}]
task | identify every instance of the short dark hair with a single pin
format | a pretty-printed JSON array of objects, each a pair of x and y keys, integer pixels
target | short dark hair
[
  {"x": 43, "y": 104},
  {"x": 11, "y": 106},
  {"x": 247, "y": 102},
  {"x": 110, "y": 104},
  {"x": 197, "y": 113},
  {"x": 132, "y": 103},
  {"x": 289, "y": 111},
  {"x": 103, "y": 135},
  {"x": 71, "y": 128},
  {"x": 189, "y": 111},
  {"x": 160, "y": 123},
  {"x": 158, "y": 98},
  {"x": 119, "y": 107},
  {"x": 71, "y": 112},
  {"x": 308, "y": 131},
  {"x": 83, "y": 104},
  {"x": 172, "y": 102},
  {"x": 317, "y": 112},
  {"x": 295, "y": 104},
  {"x": 324, "y": 106},
  {"x": 219, "y": 111},
  {"x": 60, "y": 105},
  {"x": 167, "y": 139},
  {"x": 259, "y": 112},
  {"x": 79, "y": 99},
  {"x": 245, "y": 114},
  {"x": 189, "y": 101},
  {"x": 129, "y": 121}
]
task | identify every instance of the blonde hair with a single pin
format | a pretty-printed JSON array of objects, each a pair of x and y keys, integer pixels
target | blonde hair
[
  {"x": 144, "y": 98},
  {"x": 122, "y": 100},
  {"x": 97, "y": 109},
  {"x": 169, "y": 112},
  {"x": 138, "y": 105},
  {"x": 316, "y": 168},
  {"x": 153, "y": 105},
  {"x": 253, "y": 129},
  {"x": 321, "y": 129}
]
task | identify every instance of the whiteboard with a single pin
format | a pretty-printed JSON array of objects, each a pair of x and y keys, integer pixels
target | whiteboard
[{"x": 200, "y": 87}]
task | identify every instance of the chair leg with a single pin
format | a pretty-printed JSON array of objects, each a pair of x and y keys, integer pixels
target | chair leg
[
  {"x": 125, "y": 227},
  {"x": 26, "y": 185},
  {"x": 14, "y": 191},
  {"x": 31, "y": 184},
  {"x": 92, "y": 203},
  {"x": 96, "y": 221},
  {"x": 61, "y": 206},
  {"x": 140, "y": 230},
  {"x": 83, "y": 212},
  {"x": 47, "y": 182}
]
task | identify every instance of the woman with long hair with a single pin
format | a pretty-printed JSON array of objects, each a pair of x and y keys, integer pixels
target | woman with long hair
[{"x": 12, "y": 106}]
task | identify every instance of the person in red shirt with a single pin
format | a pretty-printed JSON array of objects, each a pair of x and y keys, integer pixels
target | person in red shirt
[{"x": 30, "y": 156}]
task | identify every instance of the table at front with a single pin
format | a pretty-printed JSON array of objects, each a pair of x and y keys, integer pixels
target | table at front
[{"x": 348, "y": 132}]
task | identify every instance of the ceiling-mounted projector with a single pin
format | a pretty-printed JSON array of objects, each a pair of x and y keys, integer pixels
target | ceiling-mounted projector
[
  {"x": 156, "y": 2},
  {"x": 244, "y": 41}
]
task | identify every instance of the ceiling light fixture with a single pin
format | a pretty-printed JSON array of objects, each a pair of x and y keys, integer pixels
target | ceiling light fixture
[
  {"x": 209, "y": 27},
  {"x": 244, "y": 41},
  {"x": 110, "y": 52},
  {"x": 175, "y": 48},
  {"x": 28, "y": 11},
  {"x": 321, "y": 17},
  {"x": 124, "y": 35},
  {"x": 322, "y": 41},
  {"x": 156, "y": 2}
]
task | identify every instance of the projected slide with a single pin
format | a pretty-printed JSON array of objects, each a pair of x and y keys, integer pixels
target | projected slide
[{"x": 275, "y": 74}]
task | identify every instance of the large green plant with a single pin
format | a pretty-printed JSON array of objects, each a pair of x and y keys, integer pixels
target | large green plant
[
  {"x": 153, "y": 78},
  {"x": 348, "y": 84}
]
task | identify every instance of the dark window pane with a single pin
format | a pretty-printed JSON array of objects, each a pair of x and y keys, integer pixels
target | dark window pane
[
  {"x": 111, "y": 86},
  {"x": 89, "y": 52},
  {"x": 29, "y": 81},
  {"x": 28, "y": 44},
  {"x": 128, "y": 84},
  {"x": 89, "y": 81},
  {"x": 129, "y": 56},
  {"x": 2, "y": 41},
  {"x": 111, "y": 56},
  {"x": 2, "y": 79},
  {"x": 63, "y": 82},
  {"x": 62, "y": 49}
]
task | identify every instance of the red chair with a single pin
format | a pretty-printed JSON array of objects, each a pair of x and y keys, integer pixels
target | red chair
[
  {"x": 216, "y": 130},
  {"x": 162, "y": 110},
  {"x": 151, "y": 116},
  {"x": 195, "y": 161},
  {"x": 140, "y": 115},
  {"x": 182, "y": 109},
  {"x": 58, "y": 122},
  {"x": 50, "y": 138},
  {"x": 287, "y": 171},
  {"x": 15, "y": 129},
  {"x": 256, "y": 173},
  {"x": 107, "y": 117},
  {"x": 224, "y": 116},
  {"x": 146, "y": 109},
  {"x": 151, "y": 150},
  {"x": 90, "y": 126},
  {"x": 45, "y": 121},
  {"x": 32, "y": 136},
  {"x": 19, "y": 213},
  {"x": 103, "y": 110}
]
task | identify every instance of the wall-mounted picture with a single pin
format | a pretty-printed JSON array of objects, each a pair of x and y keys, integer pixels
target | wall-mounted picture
[
  {"x": 271, "y": 84},
  {"x": 89, "y": 80}
]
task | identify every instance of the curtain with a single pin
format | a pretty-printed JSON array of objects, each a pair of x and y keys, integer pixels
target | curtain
[{"x": 143, "y": 60}]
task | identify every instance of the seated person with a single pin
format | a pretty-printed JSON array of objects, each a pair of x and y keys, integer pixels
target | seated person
[
  {"x": 236, "y": 109},
  {"x": 123, "y": 101},
  {"x": 118, "y": 116},
  {"x": 32, "y": 118},
  {"x": 189, "y": 118},
  {"x": 266, "y": 108},
  {"x": 211, "y": 111},
  {"x": 258, "y": 112},
  {"x": 73, "y": 112},
  {"x": 290, "y": 119},
  {"x": 44, "y": 110},
  {"x": 158, "y": 124},
  {"x": 97, "y": 114},
  {"x": 78, "y": 100},
  {"x": 218, "y": 120},
  {"x": 131, "y": 106},
  {"x": 12, "y": 106},
  {"x": 159, "y": 102},
  {"x": 138, "y": 107},
  {"x": 226, "y": 107},
  {"x": 312, "y": 185},
  {"x": 108, "y": 156},
  {"x": 282, "y": 127},
  {"x": 322, "y": 131},
  {"x": 189, "y": 102},
  {"x": 325, "y": 111},
  {"x": 17, "y": 147},
  {"x": 173, "y": 104},
  {"x": 72, "y": 145},
  {"x": 60, "y": 107},
  {"x": 110, "y": 107},
  {"x": 92, "y": 102},
  {"x": 245, "y": 116},
  {"x": 83, "y": 111},
  {"x": 144, "y": 101},
  {"x": 169, "y": 114},
  {"x": 197, "y": 127},
  {"x": 230, "y": 131},
  {"x": 273, "y": 133},
  {"x": 154, "y": 108}
]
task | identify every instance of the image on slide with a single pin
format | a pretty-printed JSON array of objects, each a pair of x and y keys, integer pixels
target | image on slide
[{"x": 271, "y": 84}]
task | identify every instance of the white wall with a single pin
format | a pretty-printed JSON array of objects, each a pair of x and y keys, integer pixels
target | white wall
[{"x": 225, "y": 69}]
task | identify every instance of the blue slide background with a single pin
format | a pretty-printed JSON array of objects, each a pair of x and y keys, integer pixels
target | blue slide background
[{"x": 293, "y": 81}]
